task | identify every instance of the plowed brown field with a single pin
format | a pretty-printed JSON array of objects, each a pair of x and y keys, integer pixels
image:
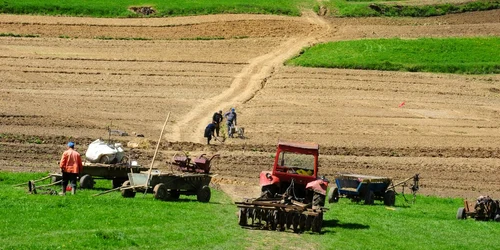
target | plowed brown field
[{"x": 54, "y": 87}]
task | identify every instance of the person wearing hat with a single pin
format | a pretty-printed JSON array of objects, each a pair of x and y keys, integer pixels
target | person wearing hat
[
  {"x": 230, "y": 121},
  {"x": 71, "y": 167},
  {"x": 217, "y": 117}
]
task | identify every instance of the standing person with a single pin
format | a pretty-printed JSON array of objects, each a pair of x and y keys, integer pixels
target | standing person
[
  {"x": 71, "y": 167},
  {"x": 218, "y": 119},
  {"x": 230, "y": 121},
  {"x": 209, "y": 131}
]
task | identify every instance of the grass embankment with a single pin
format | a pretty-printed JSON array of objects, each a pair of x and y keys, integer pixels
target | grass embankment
[
  {"x": 361, "y": 8},
  {"x": 448, "y": 55},
  {"x": 112, "y": 222},
  {"x": 100, "y": 8}
]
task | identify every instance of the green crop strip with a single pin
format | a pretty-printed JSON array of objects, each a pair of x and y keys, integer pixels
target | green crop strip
[{"x": 449, "y": 55}]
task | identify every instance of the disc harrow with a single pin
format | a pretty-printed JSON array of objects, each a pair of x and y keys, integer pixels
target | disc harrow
[{"x": 280, "y": 214}]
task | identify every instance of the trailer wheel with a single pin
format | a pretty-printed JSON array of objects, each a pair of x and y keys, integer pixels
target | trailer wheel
[
  {"x": 318, "y": 200},
  {"x": 203, "y": 194},
  {"x": 160, "y": 192},
  {"x": 118, "y": 182},
  {"x": 333, "y": 195},
  {"x": 369, "y": 198},
  {"x": 127, "y": 193},
  {"x": 389, "y": 198},
  {"x": 461, "y": 213},
  {"x": 87, "y": 182}
]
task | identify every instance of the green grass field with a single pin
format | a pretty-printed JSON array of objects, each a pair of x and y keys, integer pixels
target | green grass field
[
  {"x": 112, "y": 222},
  {"x": 99, "y": 8},
  {"x": 364, "y": 8},
  {"x": 448, "y": 55}
]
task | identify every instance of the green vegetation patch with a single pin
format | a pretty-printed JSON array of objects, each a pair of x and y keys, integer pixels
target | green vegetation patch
[
  {"x": 449, "y": 55},
  {"x": 152, "y": 8},
  {"x": 358, "y": 8},
  {"x": 18, "y": 35},
  {"x": 111, "y": 222}
]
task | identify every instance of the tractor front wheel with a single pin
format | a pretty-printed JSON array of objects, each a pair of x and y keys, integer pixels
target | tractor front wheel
[
  {"x": 333, "y": 195},
  {"x": 318, "y": 200}
]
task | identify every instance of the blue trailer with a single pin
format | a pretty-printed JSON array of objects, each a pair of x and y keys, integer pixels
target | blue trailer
[{"x": 363, "y": 188}]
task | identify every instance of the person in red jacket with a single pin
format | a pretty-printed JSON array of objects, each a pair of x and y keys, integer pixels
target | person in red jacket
[{"x": 71, "y": 167}]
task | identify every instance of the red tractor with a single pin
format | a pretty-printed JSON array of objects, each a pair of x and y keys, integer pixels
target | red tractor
[{"x": 292, "y": 194}]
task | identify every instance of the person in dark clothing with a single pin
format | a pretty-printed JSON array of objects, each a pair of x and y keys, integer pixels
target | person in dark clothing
[
  {"x": 230, "y": 121},
  {"x": 209, "y": 131},
  {"x": 218, "y": 119}
]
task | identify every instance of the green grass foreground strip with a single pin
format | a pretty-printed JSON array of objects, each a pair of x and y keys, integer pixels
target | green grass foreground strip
[
  {"x": 112, "y": 222},
  {"x": 450, "y": 55},
  {"x": 111, "y": 8},
  {"x": 360, "y": 8}
]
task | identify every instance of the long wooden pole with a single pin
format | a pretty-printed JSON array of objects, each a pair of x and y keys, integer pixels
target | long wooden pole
[{"x": 156, "y": 151}]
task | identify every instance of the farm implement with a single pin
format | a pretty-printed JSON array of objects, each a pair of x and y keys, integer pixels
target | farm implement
[
  {"x": 292, "y": 197},
  {"x": 193, "y": 179},
  {"x": 369, "y": 188},
  {"x": 485, "y": 208}
]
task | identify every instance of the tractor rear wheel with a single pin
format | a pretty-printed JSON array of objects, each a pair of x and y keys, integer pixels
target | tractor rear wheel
[
  {"x": 203, "y": 194},
  {"x": 268, "y": 191},
  {"x": 127, "y": 193},
  {"x": 389, "y": 198},
  {"x": 461, "y": 213},
  {"x": 87, "y": 182},
  {"x": 333, "y": 195}
]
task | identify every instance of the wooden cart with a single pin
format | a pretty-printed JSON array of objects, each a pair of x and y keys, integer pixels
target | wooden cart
[{"x": 168, "y": 186}]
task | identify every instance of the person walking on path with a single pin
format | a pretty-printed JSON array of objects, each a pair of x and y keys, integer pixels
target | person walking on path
[
  {"x": 71, "y": 167},
  {"x": 230, "y": 121},
  {"x": 209, "y": 132},
  {"x": 218, "y": 119}
]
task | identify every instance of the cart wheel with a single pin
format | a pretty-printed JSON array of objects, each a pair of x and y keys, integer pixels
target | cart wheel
[
  {"x": 175, "y": 194},
  {"x": 318, "y": 200},
  {"x": 370, "y": 197},
  {"x": 55, "y": 178},
  {"x": 461, "y": 213},
  {"x": 127, "y": 193},
  {"x": 203, "y": 194},
  {"x": 389, "y": 198},
  {"x": 118, "y": 182},
  {"x": 87, "y": 182},
  {"x": 333, "y": 195},
  {"x": 160, "y": 192},
  {"x": 242, "y": 217}
]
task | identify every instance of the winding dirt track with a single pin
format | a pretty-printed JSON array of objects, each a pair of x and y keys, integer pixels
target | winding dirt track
[{"x": 72, "y": 82}]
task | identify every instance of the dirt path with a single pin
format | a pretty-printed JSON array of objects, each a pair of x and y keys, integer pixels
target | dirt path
[{"x": 249, "y": 81}]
